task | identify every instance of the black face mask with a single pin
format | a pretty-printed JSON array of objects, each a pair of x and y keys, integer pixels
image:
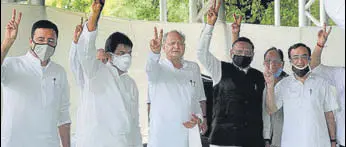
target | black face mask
[
  {"x": 300, "y": 72},
  {"x": 242, "y": 61}
]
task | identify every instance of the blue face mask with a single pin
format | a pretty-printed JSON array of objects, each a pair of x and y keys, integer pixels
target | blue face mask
[{"x": 278, "y": 73}]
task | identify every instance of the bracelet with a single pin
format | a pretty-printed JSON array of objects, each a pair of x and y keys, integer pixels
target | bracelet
[
  {"x": 333, "y": 140},
  {"x": 321, "y": 46}
]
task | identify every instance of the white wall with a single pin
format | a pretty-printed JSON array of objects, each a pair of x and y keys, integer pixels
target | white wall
[{"x": 141, "y": 33}]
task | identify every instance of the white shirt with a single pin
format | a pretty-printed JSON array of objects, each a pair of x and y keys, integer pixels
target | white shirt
[
  {"x": 336, "y": 77},
  {"x": 304, "y": 111},
  {"x": 36, "y": 102},
  {"x": 174, "y": 94},
  {"x": 208, "y": 60},
  {"x": 108, "y": 111}
]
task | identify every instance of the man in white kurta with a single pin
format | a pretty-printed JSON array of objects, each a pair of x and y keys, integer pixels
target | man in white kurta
[
  {"x": 108, "y": 111},
  {"x": 305, "y": 102},
  {"x": 174, "y": 94},
  {"x": 336, "y": 77},
  {"x": 35, "y": 91}
]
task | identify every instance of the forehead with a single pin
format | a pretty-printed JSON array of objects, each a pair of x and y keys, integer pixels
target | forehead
[
  {"x": 242, "y": 45},
  {"x": 299, "y": 51},
  {"x": 272, "y": 54},
  {"x": 122, "y": 47},
  {"x": 174, "y": 36},
  {"x": 45, "y": 32}
]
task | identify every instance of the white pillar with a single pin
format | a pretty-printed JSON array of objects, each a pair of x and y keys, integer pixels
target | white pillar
[
  {"x": 222, "y": 11},
  {"x": 192, "y": 11},
  {"x": 37, "y": 2},
  {"x": 163, "y": 10},
  {"x": 302, "y": 17},
  {"x": 323, "y": 14},
  {"x": 277, "y": 13}
]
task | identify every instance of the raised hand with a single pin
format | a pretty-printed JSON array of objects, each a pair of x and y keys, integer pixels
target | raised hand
[
  {"x": 323, "y": 35},
  {"x": 103, "y": 56},
  {"x": 78, "y": 32},
  {"x": 192, "y": 123},
  {"x": 269, "y": 76},
  {"x": 156, "y": 42},
  {"x": 12, "y": 26},
  {"x": 96, "y": 8},
  {"x": 213, "y": 13},
  {"x": 236, "y": 24}
]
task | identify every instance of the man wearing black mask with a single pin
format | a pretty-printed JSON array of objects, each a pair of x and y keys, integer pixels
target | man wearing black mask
[{"x": 238, "y": 88}]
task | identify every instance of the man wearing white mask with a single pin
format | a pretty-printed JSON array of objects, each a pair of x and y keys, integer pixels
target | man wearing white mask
[
  {"x": 108, "y": 111},
  {"x": 36, "y": 91}
]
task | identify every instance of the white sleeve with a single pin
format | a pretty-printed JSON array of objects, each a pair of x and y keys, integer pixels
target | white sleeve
[
  {"x": 278, "y": 94},
  {"x": 4, "y": 70},
  {"x": 200, "y": 94},
  {"x": 153, "y": 66},
  {"x": 208, "y": 60},
  {"x": 266, "y": 118},
  {"x": 330, "y": 100},
  {"x": 64, "y": 103},
  {"x": 75, "y": 64},
  {"x": 135, "y": 113},
  {"x": 87, "y": 53}
]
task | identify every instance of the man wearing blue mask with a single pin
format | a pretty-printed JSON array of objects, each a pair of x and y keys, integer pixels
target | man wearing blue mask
[
  {"x": 108, "y": 111},
  {"x": 237, "y": 107},
  {"x": 36, "y": 91}
]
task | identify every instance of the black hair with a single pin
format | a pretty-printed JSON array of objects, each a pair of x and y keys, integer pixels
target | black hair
[
  {"x": 279, "y": 51},
  {"x": 244, "y": 39},
  {"x": 295, "y": 46},
  {"x": 46, "y": 24},
  {"x": 115, "y": 39}
]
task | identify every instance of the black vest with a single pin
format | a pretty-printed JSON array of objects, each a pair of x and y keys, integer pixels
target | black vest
[{"x": 237, "y": 108}]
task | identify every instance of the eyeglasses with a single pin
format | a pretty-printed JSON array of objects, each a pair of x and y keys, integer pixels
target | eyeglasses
[
  {"x": 296, "y": 58},
  {"x": 243, "y": 52},
  {"x": 275, "y": 61},
  {"x": 49, "y": 41},
  {"x": 178, "y": 42}
]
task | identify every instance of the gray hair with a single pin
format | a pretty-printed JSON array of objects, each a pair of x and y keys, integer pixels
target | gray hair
[{"x": 176, "y": 31}]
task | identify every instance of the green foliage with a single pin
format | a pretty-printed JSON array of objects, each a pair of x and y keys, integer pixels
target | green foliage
[{"x": 253, "y": 11}]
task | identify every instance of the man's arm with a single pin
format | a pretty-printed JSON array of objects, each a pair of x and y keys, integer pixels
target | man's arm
[
  {"x": 64, "y": 131},
  {"x": 87, "y": 49},
  {"x": 271, "y": 104},
  {"x": 10, "y": 34},
  {"x": 208, "y": 60},
  {"x": 317, "y": 53},
  {"x": 267, "y": 130},
  {"x": 64, "y": 117},
  {"x": 331, "y": 126},
  {"x": 152, "y": 66}
]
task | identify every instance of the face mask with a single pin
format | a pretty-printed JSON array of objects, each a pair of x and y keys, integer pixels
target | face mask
[
  {"x": 278, "y": 73},
  {"x": 123, "y": 62},
  {"x": 301, "y": 72},
  {"x": 43, "y": 51},
  {"x": 242, "y": 61}
]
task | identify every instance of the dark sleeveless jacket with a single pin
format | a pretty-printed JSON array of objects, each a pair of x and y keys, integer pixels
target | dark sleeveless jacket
[{"x": 237, "y": 108}]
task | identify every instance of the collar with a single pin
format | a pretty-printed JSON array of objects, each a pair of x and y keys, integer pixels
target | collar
[
  {"x": 311, "y": 76},
  {"x": 114, "y": 70},
  {"x": 246, "y": 69},
  {"x": 35, "y": 61},
  {"x": 170, "y": 64}
]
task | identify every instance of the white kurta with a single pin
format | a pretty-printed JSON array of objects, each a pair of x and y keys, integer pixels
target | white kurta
[
  {"x": 174, "y": 94},
  {"x": 304, "y": 111},
  {"x": 336, "y": 77},
  {"x": 108, "y": 111},
  {"x": 36, "y": 102}
]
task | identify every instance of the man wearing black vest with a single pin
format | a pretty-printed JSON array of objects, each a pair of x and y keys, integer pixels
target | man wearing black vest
[{"x": 238, "y": 88}]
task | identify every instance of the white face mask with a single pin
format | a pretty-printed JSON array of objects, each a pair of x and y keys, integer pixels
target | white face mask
[
  {"x": 43, "y": 51},
  {"x": 123, "y": 62}
]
